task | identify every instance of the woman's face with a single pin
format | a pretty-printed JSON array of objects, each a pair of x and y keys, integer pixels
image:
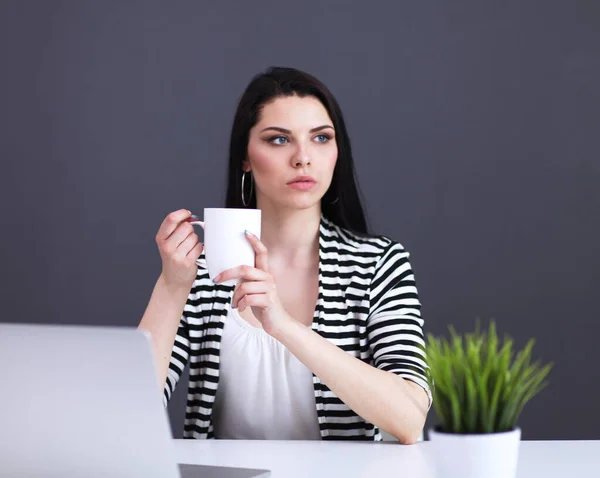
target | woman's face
[{"x": 292, "y": 152}]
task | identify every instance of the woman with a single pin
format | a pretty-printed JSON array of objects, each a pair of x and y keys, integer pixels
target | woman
[{"x": 264, "y": 361}]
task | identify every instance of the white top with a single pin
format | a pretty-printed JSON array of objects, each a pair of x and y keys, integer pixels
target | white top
[
  {"x": 331, "y": 458},
  {"x": 265, "y": 392}
]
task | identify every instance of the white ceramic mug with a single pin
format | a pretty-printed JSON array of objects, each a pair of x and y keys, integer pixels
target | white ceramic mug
[{"x": 225, "y": 244}]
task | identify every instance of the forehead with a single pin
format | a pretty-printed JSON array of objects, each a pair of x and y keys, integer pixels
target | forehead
[{"x": 294, "y": 112}]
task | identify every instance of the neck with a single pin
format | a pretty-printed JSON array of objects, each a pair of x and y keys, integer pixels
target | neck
[{"x": 291, "y": 236}]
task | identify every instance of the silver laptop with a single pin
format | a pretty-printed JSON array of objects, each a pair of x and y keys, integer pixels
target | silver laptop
[{"x": 81, "y": 401}]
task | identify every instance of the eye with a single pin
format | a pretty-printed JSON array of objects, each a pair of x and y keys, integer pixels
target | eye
[
  {"x": 322, "y": 138},
  {"x": 278, "y": 140}
]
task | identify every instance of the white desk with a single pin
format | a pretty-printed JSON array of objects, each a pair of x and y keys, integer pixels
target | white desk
[{"x": 303, "y": 459}]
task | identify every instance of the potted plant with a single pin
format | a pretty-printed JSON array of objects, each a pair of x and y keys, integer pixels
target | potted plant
[{"x": 480, "y": 387}]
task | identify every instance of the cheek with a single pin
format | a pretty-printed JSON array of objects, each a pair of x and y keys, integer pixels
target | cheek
[
  {"x": 262, "y": 158},
  {"x": 331, "y": 158}
]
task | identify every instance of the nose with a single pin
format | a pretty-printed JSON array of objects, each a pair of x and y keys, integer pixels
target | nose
[{"x": 301, "y": 157}]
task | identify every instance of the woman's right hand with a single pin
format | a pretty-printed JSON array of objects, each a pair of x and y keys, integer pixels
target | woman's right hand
[{"x": 179, "y": 249}]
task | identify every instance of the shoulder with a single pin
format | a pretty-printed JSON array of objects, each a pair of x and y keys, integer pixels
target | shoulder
[{"x": 378, "y": 248}]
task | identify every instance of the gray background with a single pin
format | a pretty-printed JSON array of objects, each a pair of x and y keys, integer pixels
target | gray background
[{"x": 474, "y": 125}]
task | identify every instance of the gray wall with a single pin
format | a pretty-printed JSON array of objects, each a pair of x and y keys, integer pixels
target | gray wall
[{"x": 475, "y": 128}]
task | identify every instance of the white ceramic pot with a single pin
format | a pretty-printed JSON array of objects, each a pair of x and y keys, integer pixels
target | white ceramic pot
[{"x": 492, "y": 455}]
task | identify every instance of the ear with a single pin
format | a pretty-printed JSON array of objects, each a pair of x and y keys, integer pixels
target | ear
[{"x": 246, "y": 166}]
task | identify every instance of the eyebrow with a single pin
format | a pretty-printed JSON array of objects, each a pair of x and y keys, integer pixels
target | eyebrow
[{"x": 287, "y": 131}]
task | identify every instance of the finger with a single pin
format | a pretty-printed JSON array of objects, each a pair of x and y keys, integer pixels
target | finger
[
  {"x": 196, "y": 252},
  {"x": 183, "y": 231},
  {"x": 247, "y": 288},
  {"x": 171, "y": 222},
  {"x": 243, "y": 272},
  {"x": 187, "y": 245},
  {"x": 261, "y": 260},
  {"x": 252, "y": 300}
]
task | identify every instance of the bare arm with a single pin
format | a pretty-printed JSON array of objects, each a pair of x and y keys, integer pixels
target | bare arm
[
  {"x": 179, "y": 249},
  {"x": 390, "y": 402},
  {"x": 161, "y": 319}
]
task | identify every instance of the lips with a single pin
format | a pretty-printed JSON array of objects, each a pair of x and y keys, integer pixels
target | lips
[
  {"x": 302, "y": 179},
  {"x": 302, "y": 183}
]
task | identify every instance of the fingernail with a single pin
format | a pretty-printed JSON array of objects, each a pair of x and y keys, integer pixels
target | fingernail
[
  {"x": 245, "y": 231},
  {"x": 194, "y": 216},
  {"x": 217, "y": 279}
]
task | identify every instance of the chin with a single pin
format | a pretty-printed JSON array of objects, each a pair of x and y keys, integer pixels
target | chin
[
  {"x": 296, "y": 201},
  {"x": 302, "y": 203}
]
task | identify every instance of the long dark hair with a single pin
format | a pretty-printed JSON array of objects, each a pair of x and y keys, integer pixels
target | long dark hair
[{"x": 341, "y": 204}]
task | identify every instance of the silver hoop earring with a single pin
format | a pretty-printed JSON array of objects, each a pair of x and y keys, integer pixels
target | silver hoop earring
[{"x": 251, "y": 189}]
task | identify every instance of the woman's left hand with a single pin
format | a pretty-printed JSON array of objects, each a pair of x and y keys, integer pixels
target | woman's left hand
[{"x": 257, "y": 289}]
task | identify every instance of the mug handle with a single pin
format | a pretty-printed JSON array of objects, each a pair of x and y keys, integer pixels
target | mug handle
[{"x": 197, "y": 223}]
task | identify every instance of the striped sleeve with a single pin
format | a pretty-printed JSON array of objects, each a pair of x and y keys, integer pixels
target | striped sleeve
[
  {"x": 179, "y": 358},
  {"x": 394, "y": 324}
]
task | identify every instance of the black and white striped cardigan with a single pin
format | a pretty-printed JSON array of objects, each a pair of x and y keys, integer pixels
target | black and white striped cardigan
[{"x": 367, "y": 305}]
